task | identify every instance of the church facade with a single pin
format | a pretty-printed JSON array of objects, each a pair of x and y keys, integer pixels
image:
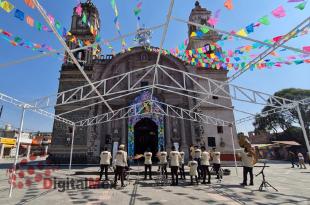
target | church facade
[{"x": 142, "y": 132}]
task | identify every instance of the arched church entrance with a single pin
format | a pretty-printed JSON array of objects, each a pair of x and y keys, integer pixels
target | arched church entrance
[
  {"x": 146, "y": 136},
  {"x": 144, "y": 128}
]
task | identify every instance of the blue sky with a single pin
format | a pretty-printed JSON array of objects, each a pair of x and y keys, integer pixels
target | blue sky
[{"x": 37, "y": 78}]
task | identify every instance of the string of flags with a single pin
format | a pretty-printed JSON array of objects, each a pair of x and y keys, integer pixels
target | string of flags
[
  {"x": 18, "y": 41},
  {"x": 137, "y": 10},
  {"x": 116, "y": 22}
]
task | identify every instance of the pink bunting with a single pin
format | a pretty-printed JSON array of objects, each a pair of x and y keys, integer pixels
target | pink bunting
[
  {"x": 279, "y": 12},
  {"x": 277, "y": 38},
  {"x": 306, "y": 49},
  {"x": 79, "y": 10},
  {"x": 291, "y": 1},
  {"x": 212, "y": 21}
]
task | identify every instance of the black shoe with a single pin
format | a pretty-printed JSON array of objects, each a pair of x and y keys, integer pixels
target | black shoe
[
  {"x": 208, "y": 182},
  {"x": 251, "y": 184},
  {"x": 203, "y": 183},
  {"x": 243, "y": 184}
]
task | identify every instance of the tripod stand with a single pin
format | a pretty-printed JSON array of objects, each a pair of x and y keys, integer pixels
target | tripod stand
[{"x": 264, "y": 182}]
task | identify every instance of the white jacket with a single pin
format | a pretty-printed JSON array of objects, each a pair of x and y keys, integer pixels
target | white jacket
[
  {"x": 193, "y": 168},
  {"x": 105, "y": 157},
  {"x": 247, "y": 161},
  {"x": 205, "y": 158},
  {"x": 121, "y": 158},
  {"x": 197, "y": 153},
  {"x": 216, "y": 157},
  {"x": 174, "y": 157},
  {"x": 182, "y": 158},
  {"x": 148, "y": 158},
  {"x": 162, "y": 157}
]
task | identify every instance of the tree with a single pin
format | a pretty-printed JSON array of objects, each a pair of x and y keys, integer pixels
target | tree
[{"x": 286, "y": 119}]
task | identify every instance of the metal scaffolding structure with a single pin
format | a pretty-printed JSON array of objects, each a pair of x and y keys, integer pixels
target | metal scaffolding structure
[{"x": 166, "y": 79}]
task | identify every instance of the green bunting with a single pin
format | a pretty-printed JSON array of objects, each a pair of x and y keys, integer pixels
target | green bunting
[
  {"x": 84, "y": 18},
  {"x": 57, "y": 25},
  {"x": 39, "y": 26},
  {"x": 204, "y": 29},
  {"x": 264, "y": 20},
  {"x": 301, "y": 6}
]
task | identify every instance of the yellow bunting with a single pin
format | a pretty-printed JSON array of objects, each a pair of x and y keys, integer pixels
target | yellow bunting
[
  {"x": 8, "y": 7},
  {"x": 242, "y": 32}
]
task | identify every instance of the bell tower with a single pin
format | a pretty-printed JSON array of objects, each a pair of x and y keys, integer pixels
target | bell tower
[
  {"x": 201, "y": 16},
  {"x": 85, "y": 29},
  {"x": 207, "y": 134}
]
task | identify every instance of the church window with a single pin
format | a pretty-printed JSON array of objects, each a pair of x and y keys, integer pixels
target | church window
[
  {"x": 215, "y": 97},
  {"x": 211, "y": 142},
  {"x": 220, "y": 129},
  {"x": 144, "y": 83}
]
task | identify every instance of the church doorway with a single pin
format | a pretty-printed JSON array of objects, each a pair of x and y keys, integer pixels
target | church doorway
[{"x": 146, "y": 136}]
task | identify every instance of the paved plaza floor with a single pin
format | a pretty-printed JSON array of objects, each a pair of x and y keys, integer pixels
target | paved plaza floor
[{"x": 293, "y": 186}]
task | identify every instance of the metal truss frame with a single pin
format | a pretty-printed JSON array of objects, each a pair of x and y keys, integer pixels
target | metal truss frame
[
  {"x": 178, "y": 82},
  {"x": 156, "y": 108},
  {"x": 305, "y": 101},
  {"x": 27, "y": 106}
]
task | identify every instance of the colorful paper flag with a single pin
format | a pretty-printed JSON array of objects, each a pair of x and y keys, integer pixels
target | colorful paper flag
[
  {"x": 306, "y": 49},
  {"x": 279, "y": 12},
  {"x": 301, "y": 6},
  {"x": 79, "y": 9},
  {"x": 7, "y": 6},
  {"x": 242, "y": 32},
  {"x": 29, "y": 3},
  {"x": 30, "y": 21},
  {"x": 264, "y": 20},
  {"x": 19, "y": 14},
  {"x": 228, "y": 4}
]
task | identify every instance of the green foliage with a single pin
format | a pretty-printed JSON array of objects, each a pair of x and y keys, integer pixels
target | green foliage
[{"x": 285, "y": 120}]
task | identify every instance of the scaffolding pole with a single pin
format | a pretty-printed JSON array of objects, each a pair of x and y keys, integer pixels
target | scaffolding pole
[
  {"x": 233, "y": 144},
  {"x": 72, "y": 144},
  {"x": 302, "y": 125},
  {"x": 17, "y": 150}
]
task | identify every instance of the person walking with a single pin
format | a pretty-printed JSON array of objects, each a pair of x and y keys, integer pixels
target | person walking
[
  {"x": 162, "y": 156},
  {"x": 148, "y": 163},
  {"x": 174, "y": 157},
  {"x": 182, "y": 170},
  {"x": 193, "y": 165},
  {"x": 292, "y": 158},
  {"x": 120, "y": 163},
  {"x": 301, "y": 160},
  {"x": 205, "y": 163},
  {"x": 105, "y": 160},
  {"x": 247, "y": 159}
]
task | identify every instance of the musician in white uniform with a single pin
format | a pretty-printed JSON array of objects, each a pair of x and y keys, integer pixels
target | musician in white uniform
[
  {"x": 247, "y": 159},
  {"x": 197, "y": 158},
  {"x": 205, "y": 163},
  {"x": 182, "y": 170},
  {"x": 174, "y": 158},
  {"x": 193, "y": 165},
  {"x": 148, "y": 163},
  {"x": 105, "y": 160},
  {"x": 120, "y": 163},
  {"x": 162, "y": 156},
  {"x": 216, "y": 158}
]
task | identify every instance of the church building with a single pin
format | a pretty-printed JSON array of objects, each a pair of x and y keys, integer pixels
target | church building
[{"x": 140, "y": 132}]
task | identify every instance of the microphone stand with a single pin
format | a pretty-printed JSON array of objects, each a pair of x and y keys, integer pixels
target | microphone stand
[{"x": 264, "y": 183}]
